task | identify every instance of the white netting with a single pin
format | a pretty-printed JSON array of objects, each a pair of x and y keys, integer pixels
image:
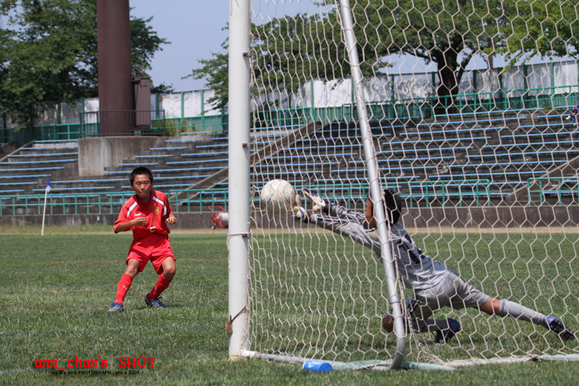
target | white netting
[{"x": 488, "y": 176}]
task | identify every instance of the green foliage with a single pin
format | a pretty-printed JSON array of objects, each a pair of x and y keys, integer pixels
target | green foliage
[
  {"x": 543, "y": 27},
  {"x": 162, "y": 89},
  {"x": 144, "y": 43},
  {"x": 446, "y": 32},
  {"x": 289, "y": 51},
  {"x": 176, "y": 126},
  {"x": 49, "y": 53},
  {"x": 292, "y": 50},
  {"x": 216, "y": 73}
]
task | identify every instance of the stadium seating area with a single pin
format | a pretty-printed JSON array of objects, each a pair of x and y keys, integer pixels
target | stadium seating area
[
  {"x": 447, "y": 161},
  {"x": 24, "y": 173}
]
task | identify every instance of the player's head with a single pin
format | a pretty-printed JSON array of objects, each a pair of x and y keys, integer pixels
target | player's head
[
  {"x": 392, "y": 208},
  {"x": 141, "y": 170},
  {"x": 142, "y": 182}
]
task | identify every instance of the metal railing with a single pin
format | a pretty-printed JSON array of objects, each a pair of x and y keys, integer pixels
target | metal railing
[
  {"x": 71, "y": 203},
  {"x": 432, "y": 190},
  {"x": 128, "y": 122},
  {"x": 423, "y": 108},
  {"x": 106, "y": 202},
  {"x": 204, "y": 124},
  {"x": 199, "y": 200},
  {"x": 91, "y": 123},
  {"x": 546, "y": 186}
]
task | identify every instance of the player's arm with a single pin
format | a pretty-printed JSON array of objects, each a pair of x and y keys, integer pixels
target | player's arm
[
  {"x": 343, "y": 226},
  {"x": 171, "y": 219},
  {"x": 125, "y": 226},
  {"x": 326, "y": 207},
  {"x": 347, "y": 214}
]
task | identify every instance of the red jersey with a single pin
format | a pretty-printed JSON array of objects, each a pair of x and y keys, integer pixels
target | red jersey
[{"x": 156, "y": 210}]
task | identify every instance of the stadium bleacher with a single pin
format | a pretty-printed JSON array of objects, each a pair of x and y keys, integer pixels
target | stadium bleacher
[
  {"x": 475, "y": 148},
  {"x": 449, "y": 156}
]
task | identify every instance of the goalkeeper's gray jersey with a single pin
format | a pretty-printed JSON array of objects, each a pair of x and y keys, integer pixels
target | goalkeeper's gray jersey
[{"x": 415, "y": 269}]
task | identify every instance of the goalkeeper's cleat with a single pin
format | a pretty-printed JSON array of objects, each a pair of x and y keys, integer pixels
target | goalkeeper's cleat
[
  {"x": 116, "y": 307},
  {"x": 154, "y": 303},
  {"x": 318, "y": 203},
  {"x": 568, "y": 118},
  {"x": 559, "y": 328},
  {"x": 446, "y": 335}
]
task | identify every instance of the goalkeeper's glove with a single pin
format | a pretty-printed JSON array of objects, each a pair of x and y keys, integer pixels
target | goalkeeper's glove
[
  {"x": 300, "y": 214},
  {"x": 318, "y": 203}
]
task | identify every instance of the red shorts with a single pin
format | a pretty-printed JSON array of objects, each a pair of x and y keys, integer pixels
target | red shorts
[{"x": 155, "y": 248}]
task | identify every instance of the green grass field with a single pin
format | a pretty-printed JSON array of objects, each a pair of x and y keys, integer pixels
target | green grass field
[{"x": 55, "y": 291}]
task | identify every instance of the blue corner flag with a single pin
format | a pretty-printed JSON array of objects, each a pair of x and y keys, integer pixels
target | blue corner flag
[{"x": 48, "y": 187}]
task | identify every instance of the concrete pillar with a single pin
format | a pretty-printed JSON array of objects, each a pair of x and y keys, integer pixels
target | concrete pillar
[{"x": 114, "y": 67}]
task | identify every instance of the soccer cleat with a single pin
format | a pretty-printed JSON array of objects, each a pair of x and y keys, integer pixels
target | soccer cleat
[
  {"x": 154, "y": 303},
  {"x": 559, "y": 328},
  {"x": 568, "y": 118},
  {"x": 116, "y": 307},
  {"x": 446, "y": 335}
]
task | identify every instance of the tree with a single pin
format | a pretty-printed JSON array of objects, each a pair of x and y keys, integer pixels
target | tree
[
  {"x": 216, "y": 73},
  {"x": 49, "y": 54},
  {"x": 284, "y": 57},
  {"x": 144, "y": 43},
  {"x": 162, "y": 89},
  {"x": 542, "y": 27},
  {"x": 446, "y": 32},
  {"x": 291, "y": 50}
]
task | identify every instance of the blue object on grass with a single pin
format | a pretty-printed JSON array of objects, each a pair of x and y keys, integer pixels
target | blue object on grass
[{"x": 318, "y": 366}]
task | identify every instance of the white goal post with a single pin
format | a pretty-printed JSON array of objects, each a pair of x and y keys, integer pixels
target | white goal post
[
  {"x": 450, "y": 106},
  {"x": 239, "y": 161}
]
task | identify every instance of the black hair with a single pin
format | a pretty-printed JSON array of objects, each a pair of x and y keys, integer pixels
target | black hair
[
  {"x": 140, "y": 170},
  {"x": 393, "y": 206}
]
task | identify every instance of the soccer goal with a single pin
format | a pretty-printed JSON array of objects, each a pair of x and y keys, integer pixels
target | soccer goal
[{"x": 459, "y": 108}]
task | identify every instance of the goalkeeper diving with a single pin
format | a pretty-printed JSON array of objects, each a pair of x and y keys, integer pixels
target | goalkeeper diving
[{"x": 434, "y": 284}]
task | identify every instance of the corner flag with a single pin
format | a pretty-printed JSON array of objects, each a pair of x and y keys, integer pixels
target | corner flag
[{"x": 48, "y": 187}]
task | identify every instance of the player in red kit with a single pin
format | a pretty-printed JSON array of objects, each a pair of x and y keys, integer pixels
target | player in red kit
[{"x": 147, "y": 213}]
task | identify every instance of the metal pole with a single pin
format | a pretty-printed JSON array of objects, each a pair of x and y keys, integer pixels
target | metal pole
[
  {"x": 375, "y": 188},
  {"x": 44, "y": 212},
  {"x": 239, "y": 162}
]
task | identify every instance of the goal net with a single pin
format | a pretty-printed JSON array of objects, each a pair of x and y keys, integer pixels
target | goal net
[{"x": 467, "y": 105}]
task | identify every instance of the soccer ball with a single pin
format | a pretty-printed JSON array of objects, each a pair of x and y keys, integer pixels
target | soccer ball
[{"x": 278, "y": 196}]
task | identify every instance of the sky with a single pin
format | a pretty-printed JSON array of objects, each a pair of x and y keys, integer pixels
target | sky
[{"x": 194, "y": 28}]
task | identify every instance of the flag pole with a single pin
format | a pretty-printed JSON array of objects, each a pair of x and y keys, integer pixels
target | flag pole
[
  {"x": 48, "y": 187},
  {"x": 44, "y": 211}
]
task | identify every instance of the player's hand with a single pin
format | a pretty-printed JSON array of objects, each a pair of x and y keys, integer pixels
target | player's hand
[
  {"x": 318, "y": 203},
  {"x": 300, "y": 214},
  {"x": 139, "y": 221},
  {"x": 171, "y": 219}
]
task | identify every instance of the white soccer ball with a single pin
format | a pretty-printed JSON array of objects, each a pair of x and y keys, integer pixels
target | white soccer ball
[{"x": 278, "y": 196}]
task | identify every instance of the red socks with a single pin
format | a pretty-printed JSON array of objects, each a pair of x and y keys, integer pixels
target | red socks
[
  {"x": 160, "y": 286},
  {"x": 123, "y": 287},
  {"x": 127, "y": 280}
]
